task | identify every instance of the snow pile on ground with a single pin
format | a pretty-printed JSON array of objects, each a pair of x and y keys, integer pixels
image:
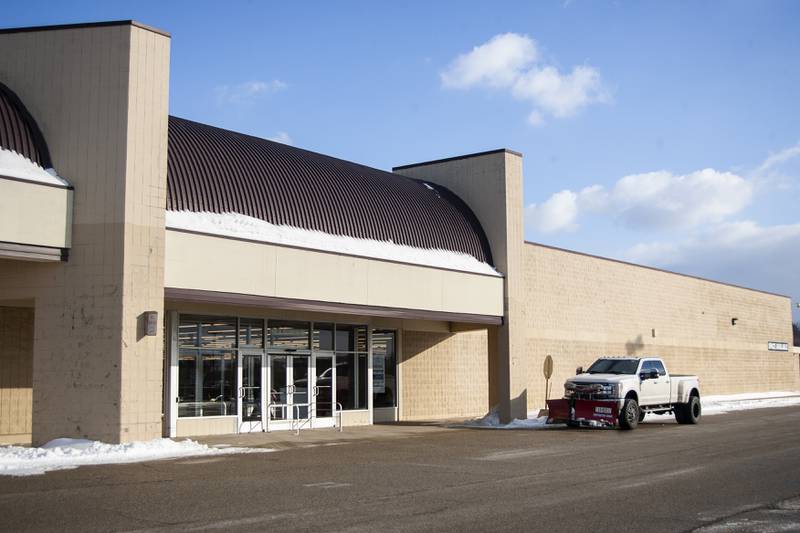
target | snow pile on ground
[
  {"x": 18, "y": 166},
  {"x": 712, "y": 405},
  {"x": 720, "y": 404},
  {"x": 492, "y": 420},
  {"x": 245, "y": 227},
  {"x": 64, "y": 454}
]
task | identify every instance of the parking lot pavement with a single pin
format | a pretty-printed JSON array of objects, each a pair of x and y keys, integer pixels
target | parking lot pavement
[{"x": 728, "y": 472}]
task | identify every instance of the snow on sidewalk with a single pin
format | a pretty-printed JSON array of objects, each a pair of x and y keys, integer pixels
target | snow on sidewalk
[
  {"x": 712, "y": 405},
  {"x": 65, "y": 454}
]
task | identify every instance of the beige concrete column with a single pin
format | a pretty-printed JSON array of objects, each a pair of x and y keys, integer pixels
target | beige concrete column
[
  {"x": 491, "y": 184},
  {"x": 99, "y": 94}
]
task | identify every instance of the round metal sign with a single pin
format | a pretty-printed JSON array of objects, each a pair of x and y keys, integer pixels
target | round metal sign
[{"x": 548, "y": 367}]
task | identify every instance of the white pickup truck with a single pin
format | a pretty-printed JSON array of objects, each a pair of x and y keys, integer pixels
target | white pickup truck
[{"x": 618, "y": 391}]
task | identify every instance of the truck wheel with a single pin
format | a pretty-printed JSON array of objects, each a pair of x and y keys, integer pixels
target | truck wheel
[
  {"x": 629, "y": 416},
  {"x": 692, "y": 411},
  {"x": 641, "y": 416},
  {"x": 680, "y": 413}
]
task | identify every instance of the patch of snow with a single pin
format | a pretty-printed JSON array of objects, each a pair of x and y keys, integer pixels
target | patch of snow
[
  {"x": 726, "y": 403},
  {"x": 492, "y": 421},
  {"x": 65, "y": 454},
  {"x": 15, "y": 165},
  {"x": 245, "y": 227}
]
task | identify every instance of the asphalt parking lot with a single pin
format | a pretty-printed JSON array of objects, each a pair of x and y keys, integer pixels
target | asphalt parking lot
[{"x": 733, "y": 472}]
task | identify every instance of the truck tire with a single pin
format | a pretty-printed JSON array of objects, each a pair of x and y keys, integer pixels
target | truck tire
[
  {"x": 689, "y": 412},
  {"x": 641, "y": 415},
  {"x": 629, "y": 416}
]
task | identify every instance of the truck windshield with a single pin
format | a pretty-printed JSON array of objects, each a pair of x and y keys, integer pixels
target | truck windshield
[{"x": 614, "y": 366}]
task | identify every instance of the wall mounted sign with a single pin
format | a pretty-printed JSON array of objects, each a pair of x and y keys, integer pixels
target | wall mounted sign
[{"x": 774, "y": 346}]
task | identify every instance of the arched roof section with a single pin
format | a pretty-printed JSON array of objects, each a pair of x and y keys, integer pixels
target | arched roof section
[
  {"x": 220, "y": 171},
  {"x": 19, "y": 131}
]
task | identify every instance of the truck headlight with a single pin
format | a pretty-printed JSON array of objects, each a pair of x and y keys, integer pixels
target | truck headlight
[{"x": 569, "y": 389}]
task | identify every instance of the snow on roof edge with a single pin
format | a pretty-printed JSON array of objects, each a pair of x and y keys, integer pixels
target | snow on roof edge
[
  {"x": 16, "y": 165},
  {"x": 246, "y": 227}
]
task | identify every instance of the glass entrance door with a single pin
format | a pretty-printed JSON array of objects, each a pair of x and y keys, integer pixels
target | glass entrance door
[
  {"x": 251, "y": 394},
  {"x": 290, "y": 391}
]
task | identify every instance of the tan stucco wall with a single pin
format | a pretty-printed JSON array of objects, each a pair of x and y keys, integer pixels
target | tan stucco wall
[
  {"x": 35, "y": 214},
  {"x": 443, "y": 375},
  {"x": 16, "y": 369},
  {"x": 581, "y": 307},
  {"x": 99, "y": 95},
  {"x": 205, "y": 262}
]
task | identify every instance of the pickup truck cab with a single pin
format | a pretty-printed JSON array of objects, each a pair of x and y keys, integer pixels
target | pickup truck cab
[{"x": 619, "y": 391}]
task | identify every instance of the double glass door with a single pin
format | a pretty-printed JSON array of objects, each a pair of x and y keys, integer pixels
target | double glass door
[{"x": 301, "y": 391}]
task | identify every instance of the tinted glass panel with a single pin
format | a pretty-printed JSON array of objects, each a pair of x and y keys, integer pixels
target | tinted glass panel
[
  {"x": 251, "y": 333},
  {"x": 284, "y": 334},
  {"x": 346, "y": 380},
  {"x": 188, "y": 333},
  {"x": 361, "y": 339},
  {"x": 206, "y": 383},
  {"x": 361, "y": 382},
  {"x": 323, "y": 336},
  {"x": 384, "y": 372},
  {"x": 217, "y": 332},
  {"x": 345, "y": 338},
  {"x": 658, "y": 365}
]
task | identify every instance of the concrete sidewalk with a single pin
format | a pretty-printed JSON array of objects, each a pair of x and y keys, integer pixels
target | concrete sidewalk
[{"x": 282, "y": 440}]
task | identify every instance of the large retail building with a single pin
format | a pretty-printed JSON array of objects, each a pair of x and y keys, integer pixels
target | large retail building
[{"x": 164, "y": 277}]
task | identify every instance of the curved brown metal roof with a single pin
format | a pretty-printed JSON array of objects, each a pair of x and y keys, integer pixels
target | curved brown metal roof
[
  {"x": 216, "y": 170},
  {"x": 19, "y": 131}
]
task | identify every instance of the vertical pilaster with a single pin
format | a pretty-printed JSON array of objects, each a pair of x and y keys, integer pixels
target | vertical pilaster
[{"x": 491, "y": 184}]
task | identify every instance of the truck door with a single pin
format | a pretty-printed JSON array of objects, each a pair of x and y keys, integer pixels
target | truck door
[{"x": 655, "y": 390}]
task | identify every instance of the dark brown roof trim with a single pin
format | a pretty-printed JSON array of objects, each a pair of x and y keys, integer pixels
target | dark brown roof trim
[
  {"x": 85, "y": 25},
  {"x": 34, "y": 182},
  {"x": 292, "y": 304},
  {"x": 345, "y": 254},
  {"x": 456, "y": 158},
  {"x": 662, "y": 270}
]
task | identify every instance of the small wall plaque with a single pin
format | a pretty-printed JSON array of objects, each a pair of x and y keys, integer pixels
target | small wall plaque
[
  {"x": 151, "y": 323},
  {"x": 774, "y": 346}
]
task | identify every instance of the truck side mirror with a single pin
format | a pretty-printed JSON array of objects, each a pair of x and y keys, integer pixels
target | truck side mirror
[{"x": 579, "y": 370}]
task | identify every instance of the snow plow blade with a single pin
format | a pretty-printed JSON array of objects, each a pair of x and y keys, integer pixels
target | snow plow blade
[{"x": 591, "y": 413}]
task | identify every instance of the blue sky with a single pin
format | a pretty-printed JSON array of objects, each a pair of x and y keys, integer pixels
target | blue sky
[{"x": 666, "y": 133}]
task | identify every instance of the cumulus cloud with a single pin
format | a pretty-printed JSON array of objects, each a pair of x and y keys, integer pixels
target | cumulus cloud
[
  {"x": 652, "y": 200},
  {"x": 248, "y": 90},
  {"x": 558, "y": 213},
  {"x": 497, "y": 63},
  {"x": 512, "y": 62},
  {"x": 742, "y": 252}
]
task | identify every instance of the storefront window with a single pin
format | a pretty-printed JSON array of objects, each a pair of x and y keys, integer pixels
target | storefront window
[
  {"x": 206, "y": 383},
  {"x": 251, "y": 333},
  {"x": 351, "y": 366},
  {"x": 288, "y": 335},
  {"x": 384, "y": 369},
  {"x": 323, "y": 337}
]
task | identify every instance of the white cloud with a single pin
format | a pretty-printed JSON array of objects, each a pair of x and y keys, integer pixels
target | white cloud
[
  {"x": 561, "y": 95},
  {"x": 248, "y": 90},
  {"x": 558, "y": 213},
  {"x": 511, "y": 61},
  {"x": 779, "y": 158},
  {"x": 657, "y": 200},
  {"x": 497, "y": 63},
  {"x": 281, "y": 137},
  {"x": 743, "y": 252}
]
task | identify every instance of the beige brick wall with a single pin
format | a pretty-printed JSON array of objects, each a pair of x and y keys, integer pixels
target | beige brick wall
[
  {"x": 580, "y": 307},
  {"x": 443, "y": 375},
  {"x": 16, "y": 370},
  {"x": 100, "y": 97}
]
